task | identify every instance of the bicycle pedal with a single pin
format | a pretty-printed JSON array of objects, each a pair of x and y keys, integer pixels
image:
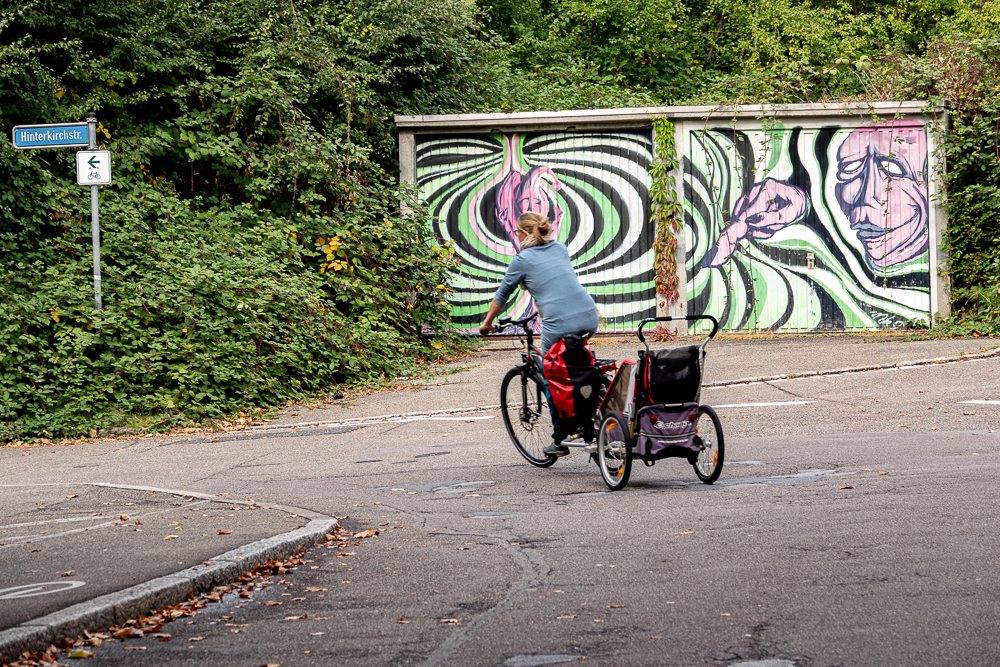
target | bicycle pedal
[{"x": 591, "y": 448}]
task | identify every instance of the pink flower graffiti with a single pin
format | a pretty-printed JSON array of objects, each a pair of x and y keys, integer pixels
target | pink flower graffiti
[{"x": 523, "y": 192}]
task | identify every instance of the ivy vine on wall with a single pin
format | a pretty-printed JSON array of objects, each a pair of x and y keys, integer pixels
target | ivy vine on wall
[{"x": 666, "y": 215}]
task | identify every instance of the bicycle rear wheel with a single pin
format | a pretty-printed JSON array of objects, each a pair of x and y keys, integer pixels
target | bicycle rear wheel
[
  {"x": 526, "y": 416},
  {"x": 708, "y": 465},
  {"x": 614, "y": 450}
]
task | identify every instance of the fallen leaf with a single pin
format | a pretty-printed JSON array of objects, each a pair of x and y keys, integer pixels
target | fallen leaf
[
  {"x": 472, "y": 495},
  {"x": 397, "y": 489},
  {"x": 225, "y": 532},
  {"x": 883, "y": 473},
  {"x": 562, "y": 617},
  {"x": 461, "y": 548},
  {"x": 272, "y": 603},
  {"x": 314, "y": 589},
  {"x": 453, "y": 621},
  {"x": 367, "y": 533},
  {"x": 124, "y": 517},
  {"x": 296, "y": 618},
  {"x": 317, "y": 634},
  {"x": 76, "y": 495},
  {"x": 847, "y": 487},
  {"x": 685, "y": 532},
  {"x": 163, "y": 637},
  {"x": 615, "y": 606},
  {"x": 731, "y": 614},
  {"x": 171, "y": 537},
  {"x": 384, "y": 524},
  {"x": 135, "y": 648},
  {"x": 412, "y": 493},
  {"x": 80, "y": 653},
  {"x": 195, "y": 639},
  {"x": 97, "y": 514},
  {"x": 67, "y": 574}
]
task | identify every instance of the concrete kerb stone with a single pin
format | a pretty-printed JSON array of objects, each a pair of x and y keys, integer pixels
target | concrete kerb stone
[
  {"x": 115, "y": 608},
  {"x": 857, "y": 369}
]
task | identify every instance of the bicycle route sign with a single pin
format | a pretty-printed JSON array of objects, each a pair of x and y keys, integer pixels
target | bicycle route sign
[
  {"x": 52, "y": 135},
  {"x": 93, "y": 167}
]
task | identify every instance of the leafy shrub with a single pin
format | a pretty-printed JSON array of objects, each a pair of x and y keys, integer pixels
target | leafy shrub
[{"x": 206, "y": 312}]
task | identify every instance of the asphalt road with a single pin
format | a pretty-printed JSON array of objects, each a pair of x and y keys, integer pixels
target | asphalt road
[{"x": 855, "y": 523}]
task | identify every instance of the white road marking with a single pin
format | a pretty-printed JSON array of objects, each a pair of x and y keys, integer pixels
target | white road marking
[
  {"x": 44, "y": 588},
  {"x": 368, "y": 421},
  {"x": 982, "y": 402},
  {"x": 43, "y": 523},
  {"x": 762, "y": 405}
]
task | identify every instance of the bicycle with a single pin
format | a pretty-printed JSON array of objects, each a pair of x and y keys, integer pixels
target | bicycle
[{"x": 523, "y": 402}]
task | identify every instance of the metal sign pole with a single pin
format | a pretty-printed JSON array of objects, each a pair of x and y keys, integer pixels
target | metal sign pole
[{"x": 94, "y": 217}]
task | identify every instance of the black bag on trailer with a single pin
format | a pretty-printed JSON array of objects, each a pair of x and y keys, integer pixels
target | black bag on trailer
[{"x": 673, "y": 376}]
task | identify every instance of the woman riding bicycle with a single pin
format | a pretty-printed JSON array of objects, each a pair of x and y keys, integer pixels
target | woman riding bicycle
[{"x": 544, "y": 268}]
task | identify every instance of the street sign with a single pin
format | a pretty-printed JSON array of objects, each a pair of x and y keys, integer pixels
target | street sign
[
  {"x": 93, "y": 167},
  {"x": 55, "y": 135}
]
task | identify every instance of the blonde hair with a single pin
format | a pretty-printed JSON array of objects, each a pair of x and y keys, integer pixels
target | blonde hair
[{"x": 536, "y": 226}]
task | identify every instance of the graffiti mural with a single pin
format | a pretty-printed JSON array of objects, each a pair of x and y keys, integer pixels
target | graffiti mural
[
  {"x": 805, "y": 229},
  {"x": 594, "y": 186}
]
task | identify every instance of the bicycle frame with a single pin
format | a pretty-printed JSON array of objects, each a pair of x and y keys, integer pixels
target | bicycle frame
[{"x": 531, "y": 356}]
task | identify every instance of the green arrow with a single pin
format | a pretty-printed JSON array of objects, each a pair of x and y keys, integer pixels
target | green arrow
[{"x": 93, "y": 165}]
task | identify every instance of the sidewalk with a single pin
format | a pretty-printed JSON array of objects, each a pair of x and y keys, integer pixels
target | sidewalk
[{"x": 475, "y": 381}]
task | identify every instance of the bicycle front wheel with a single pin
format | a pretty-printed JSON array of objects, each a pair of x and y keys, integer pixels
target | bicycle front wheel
[
  {"x": 526, "y": 416},
  {"x": 708, "y": 465}
]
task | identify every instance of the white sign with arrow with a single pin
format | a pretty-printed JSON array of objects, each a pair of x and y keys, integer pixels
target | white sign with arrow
[{"x": 93, "y": 168}]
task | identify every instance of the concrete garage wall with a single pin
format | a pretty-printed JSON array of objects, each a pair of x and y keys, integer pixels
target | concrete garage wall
[{"x": 808, "y": 217}]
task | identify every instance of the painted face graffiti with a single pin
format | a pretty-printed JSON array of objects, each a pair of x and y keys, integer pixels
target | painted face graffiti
[
  {"x": 778, "y": 219},
  {"x": 882, "y": 189}
]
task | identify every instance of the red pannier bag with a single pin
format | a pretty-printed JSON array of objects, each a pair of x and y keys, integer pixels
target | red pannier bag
[{"x": 573, "y": 376}]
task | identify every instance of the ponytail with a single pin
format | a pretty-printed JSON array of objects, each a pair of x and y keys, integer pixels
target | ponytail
[{"x": 537, "y": 227}]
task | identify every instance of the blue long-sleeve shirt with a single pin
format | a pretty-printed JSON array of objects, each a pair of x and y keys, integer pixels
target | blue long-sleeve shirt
[{"x": 548, "y": 275}]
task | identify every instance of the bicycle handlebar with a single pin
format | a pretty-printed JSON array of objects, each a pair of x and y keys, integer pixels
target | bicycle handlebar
[
  {"x": 504, "y": 322},
  {"x": 672, "y": 318}
]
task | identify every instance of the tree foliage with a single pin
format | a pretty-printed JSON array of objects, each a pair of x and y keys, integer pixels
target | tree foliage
[{"x": 256, "y": 247}]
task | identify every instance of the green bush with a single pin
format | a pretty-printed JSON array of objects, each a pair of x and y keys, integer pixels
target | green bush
[{"x": 206, "y": 312}]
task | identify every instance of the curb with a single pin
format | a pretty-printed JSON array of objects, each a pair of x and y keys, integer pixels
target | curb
[
  {"x": 115, "y": 608},
  {"x": 857, "y": 369}
]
